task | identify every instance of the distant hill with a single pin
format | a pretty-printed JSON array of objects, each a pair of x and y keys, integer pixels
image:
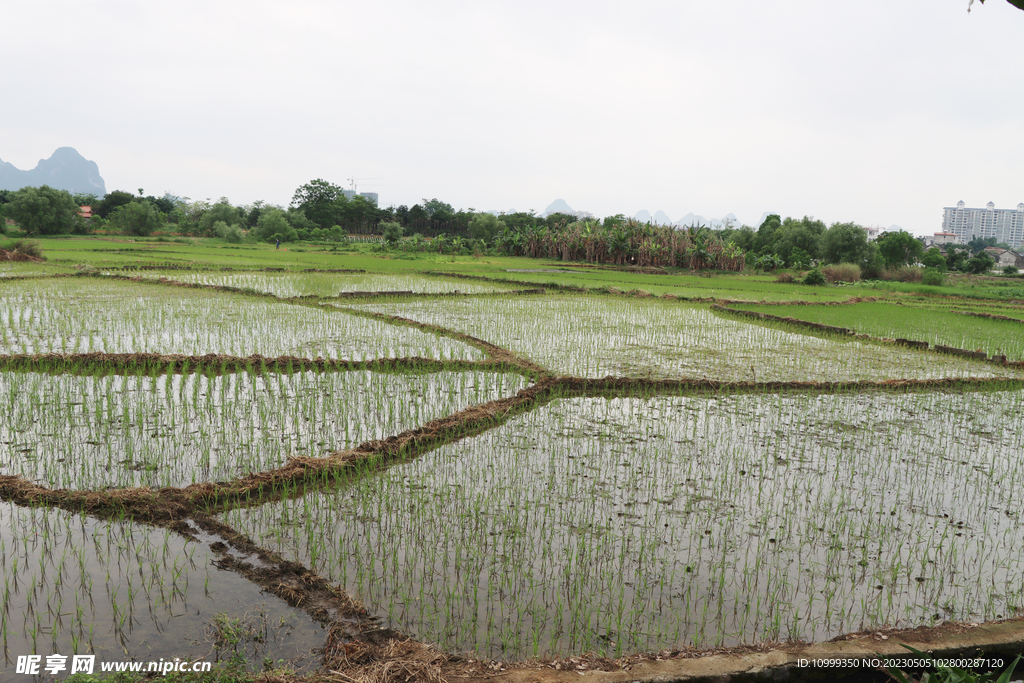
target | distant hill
[
  {"x": 661, "y": 218},
  {"x": 557, "y": 206},
  {"x": 66, "y": 169}
]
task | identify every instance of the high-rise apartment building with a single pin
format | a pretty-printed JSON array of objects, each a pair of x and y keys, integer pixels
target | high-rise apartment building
[{"x": 1006, "y": 225}]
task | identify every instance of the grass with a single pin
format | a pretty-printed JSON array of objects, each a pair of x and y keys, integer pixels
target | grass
[{"x": 946, "y": 327}]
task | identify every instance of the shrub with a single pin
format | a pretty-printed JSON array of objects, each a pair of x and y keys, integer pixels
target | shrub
[
  {"x": 228, "y": 233},
  {"x": 137, "y": 218},
  {"x": 841, "y": 272},
  {"x": 815, "y": 277},
  {"x": 29, "y": 248},
  {"x": 391, "y": 231},
  {"x": 784, "y": 277},
  {"x": 273, "y": 225},
  {"x": 980, "y": 264},
  {"x": 933, "y": 277},
  {"x": 1010, "y": 270},
  {"x": 905, "y": 274}
]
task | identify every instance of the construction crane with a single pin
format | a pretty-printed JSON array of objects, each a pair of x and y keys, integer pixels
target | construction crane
[{"x": 355, "y": 181}]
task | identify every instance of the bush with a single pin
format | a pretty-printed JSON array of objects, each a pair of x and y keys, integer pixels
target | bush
[
  {"x": 980, "y": 264},
  {"x": 785, "y": 277},
  {"x": 841, "y": 272},
  {"x": 933, "y": 277},
  {"x": 24, "y": 248},
  {"x": 273, "y": 225},
  {"x": 391, "y": 231},
  {"x": 1010, "y": 270},
  {"x": 485, "y": 227},
  {"x": 904, "y": 274},
  {"x": 816, "y": 277},
  {"x": 228, "y": 233},
  {"x": 137, "y": 218}
]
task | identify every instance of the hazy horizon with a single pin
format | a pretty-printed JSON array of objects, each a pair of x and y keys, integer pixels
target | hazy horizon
[{"x": 870, "y": 112}]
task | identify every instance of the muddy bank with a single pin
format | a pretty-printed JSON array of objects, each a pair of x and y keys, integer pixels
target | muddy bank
[{"x": 99, "y": 363}]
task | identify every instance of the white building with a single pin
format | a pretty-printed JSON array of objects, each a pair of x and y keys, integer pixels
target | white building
[
  {"x": 1006, "y": 225},
  {"x": 941, "y": 238}
]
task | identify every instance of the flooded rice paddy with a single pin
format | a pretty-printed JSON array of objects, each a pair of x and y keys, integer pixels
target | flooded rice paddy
[
  {"x": 83, "y": 432},
  {"x": 89, "y": 315},
  {"x": 599, "y": 336},
  {"x": 287, "y": 285},
  {"x": 618, "y": 525},
  {"x": 557, "y": 525},
  {"x": 72, "y": 584}
]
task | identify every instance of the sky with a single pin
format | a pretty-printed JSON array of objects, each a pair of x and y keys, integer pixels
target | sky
[{"x": 870, "y": 111}]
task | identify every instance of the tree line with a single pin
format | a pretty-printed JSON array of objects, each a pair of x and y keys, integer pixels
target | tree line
[{"x": 321, "y": 211}]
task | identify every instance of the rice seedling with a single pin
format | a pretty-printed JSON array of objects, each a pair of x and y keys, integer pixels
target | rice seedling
[
  {"x": 88, "y": 315},
  {"x": 594, "y": 337},
  {"x": 86, "y": 432},
  {"x": 617, "y": 525},
  {"x": 136, "y": 590},
  {"x": 286, "y": 285}
]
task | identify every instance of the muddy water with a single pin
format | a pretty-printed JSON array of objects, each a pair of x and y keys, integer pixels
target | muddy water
[
  {"x": 121, "y": 591},
  {"x": 641, "y": 524}
]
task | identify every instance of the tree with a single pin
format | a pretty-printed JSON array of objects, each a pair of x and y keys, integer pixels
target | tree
[
  {"x": 559, "y": 217},
  {"x": 112, "y": 201},
  {"x": 1019, "y": 4},
  {"x": 899, "y": 248},
  {"x": 163, "y": 204},
  {"x": 803, "y": 234},
  {"x": 416, "y": 213},
  {"x": 956, "y": 259},
  {"x": 766, "y": 232},
  {"x": 43, "y": 210},
  {"x": 85, "y": 198},
  {"x": 435, "y": 205},
  {"x": 799, "y": 258},
  {"x": 137, "y": 218},
  {"x": 392, "y": 231},
  {"x": 485, "y": 226},
  {"x": 321, "y": 202},
  {"x": 228, "y": 233},
  {"x": 844, "y": 243},
  {"x": 272, "y": 223},
  {"x": 981, "y": 263},
  {"x": 219, "y": 212},
  {"x": 934, "y": 259}
]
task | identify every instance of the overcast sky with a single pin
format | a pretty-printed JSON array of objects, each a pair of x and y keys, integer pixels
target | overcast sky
[{"x": 880, "y": 112}]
